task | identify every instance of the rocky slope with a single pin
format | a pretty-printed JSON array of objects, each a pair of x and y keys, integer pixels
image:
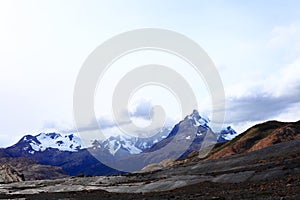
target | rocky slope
[
  {"x": 258, "y": 137},
  {"x": 9, "y": 174},
  {"x": 31, "y": 170}
]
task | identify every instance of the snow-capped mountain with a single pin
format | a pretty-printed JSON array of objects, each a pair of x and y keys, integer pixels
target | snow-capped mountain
[
  {"x": 224, "y": 135},
  {"x": 115, "y": 144},
  {"x": 65, "y": 151},
  {"x": 193, "y": 126},
  {"x": 122, "y": 145},
  {"x": 44, "y": 141},
  {"x": 227, "y": 134},
  {"x": 195, "y": 129},
  {"x": 197, "y": 120}
]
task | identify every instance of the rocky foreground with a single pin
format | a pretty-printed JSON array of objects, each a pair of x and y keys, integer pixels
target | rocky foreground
[{"x": 269, "y": 173}]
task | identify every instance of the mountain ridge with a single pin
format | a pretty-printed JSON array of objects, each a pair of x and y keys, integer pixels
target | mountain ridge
[{"x": 68, "y": 152}]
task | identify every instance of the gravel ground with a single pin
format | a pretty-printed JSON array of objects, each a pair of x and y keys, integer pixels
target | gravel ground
[{"x": 287, "y": 188}]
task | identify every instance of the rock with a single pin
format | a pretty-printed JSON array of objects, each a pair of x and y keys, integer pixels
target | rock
[
  {"x": 9, "y": 174},
  {"x": 158, "y": 166},
  {"x": 289, "y": 180}
]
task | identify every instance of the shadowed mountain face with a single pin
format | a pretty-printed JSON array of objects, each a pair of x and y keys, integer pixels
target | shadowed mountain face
[{"x": 258, "y": 137}]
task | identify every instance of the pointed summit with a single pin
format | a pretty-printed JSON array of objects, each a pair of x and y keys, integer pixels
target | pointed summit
[{"x": 196, "y": 119}]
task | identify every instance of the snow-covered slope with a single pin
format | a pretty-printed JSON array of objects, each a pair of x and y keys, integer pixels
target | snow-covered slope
[
  {"x": 197, "y": 120},
  {"x": 131, "y": 145},
  {"x": 227, "y": 134},
  {"x": 114, "y": 144},
  {"x": 43, "y": 141}
]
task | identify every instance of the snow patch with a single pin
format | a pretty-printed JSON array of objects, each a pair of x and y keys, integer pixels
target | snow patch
[{"x": 188, "y": 137}]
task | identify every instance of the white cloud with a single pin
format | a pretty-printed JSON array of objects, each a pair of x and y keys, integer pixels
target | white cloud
[
  {"x": 286, "y": 80},
  {"x": 275, "y": 97},
  {"x": 285, "y": 36},
  {"x": 271, "y": 94},
  {"x": 286, "y": 40}
]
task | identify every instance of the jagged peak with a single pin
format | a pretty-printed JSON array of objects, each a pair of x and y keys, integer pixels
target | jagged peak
[{"x": 197, "y": 119}]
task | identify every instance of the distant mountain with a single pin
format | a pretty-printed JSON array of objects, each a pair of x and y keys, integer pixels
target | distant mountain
[
  {"x": 44, "y": 141},
  {"x": 196, "y": 127},
  {"x": 122, "y": 145},
  {"x": 65, "y": 151},
  {"x": 227, "y": 134}
]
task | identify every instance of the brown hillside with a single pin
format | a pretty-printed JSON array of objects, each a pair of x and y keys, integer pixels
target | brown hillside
[{"x": 258, "y": 137}]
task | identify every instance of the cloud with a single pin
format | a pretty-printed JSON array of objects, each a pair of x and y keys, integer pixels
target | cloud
[
  {"x": 142, "y": 109},
  {"x": 286, "y": 40},
  {"x": 259, "y": 107},
  {"x": 285, "y": 36},
  {"x": 273, "y": 94},
  {"x": 106, "y": 126},
  {"x": 101, "y": 123},
  {"x": 272, "y": 97}
]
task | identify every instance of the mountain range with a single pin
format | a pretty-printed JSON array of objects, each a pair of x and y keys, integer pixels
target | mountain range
[{"x": 71, "y": 156}]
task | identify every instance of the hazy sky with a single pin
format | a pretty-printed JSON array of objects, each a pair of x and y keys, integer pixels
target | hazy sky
[{"x": 254, "y": 44}]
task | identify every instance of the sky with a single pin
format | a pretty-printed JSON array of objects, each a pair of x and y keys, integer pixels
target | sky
[{"x": 255, "y": 46}]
